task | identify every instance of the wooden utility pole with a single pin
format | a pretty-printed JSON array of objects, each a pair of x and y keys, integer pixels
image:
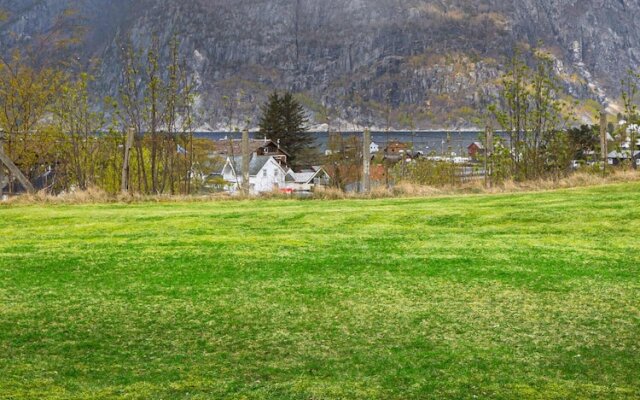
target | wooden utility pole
[
  {"x": 604, "y": 141},
  {"x": 488, "y": 152},
  {"x": 245, "y": 162},
  {"x": 15, "y": 171},
  {"x": 366, "y": 161},
  {"x": 128, "y": 145}
]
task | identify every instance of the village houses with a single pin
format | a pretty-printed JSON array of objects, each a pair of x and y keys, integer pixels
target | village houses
[{"x": 269, "y": 170}]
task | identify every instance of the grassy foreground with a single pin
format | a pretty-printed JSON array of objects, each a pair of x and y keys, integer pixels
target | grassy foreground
[{"x": 527, "y": 296}]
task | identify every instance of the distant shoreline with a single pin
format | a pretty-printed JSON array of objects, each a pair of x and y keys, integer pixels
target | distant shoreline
[
  {"x": 425, "y": 140},
  {"x": 352, "y": 131}
]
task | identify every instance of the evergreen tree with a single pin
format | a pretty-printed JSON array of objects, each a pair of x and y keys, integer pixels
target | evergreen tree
[
  {"x": 270, "y": 119},
  {"x": 584, "y": 139},
  {"x": 284, "y": 121}
]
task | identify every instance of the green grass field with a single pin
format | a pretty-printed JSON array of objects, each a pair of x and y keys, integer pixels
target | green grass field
[{"x": 525, "y": 296}]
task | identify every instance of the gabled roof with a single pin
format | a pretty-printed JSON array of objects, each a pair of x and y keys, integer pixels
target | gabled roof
[
  {"x": 478, "y": 145},
  {"x": 306, "y": 176},
  {"x": 255, "y": 165}
]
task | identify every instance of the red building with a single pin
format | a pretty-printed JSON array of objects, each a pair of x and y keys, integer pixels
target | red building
[{"x": 475, "y": 150}]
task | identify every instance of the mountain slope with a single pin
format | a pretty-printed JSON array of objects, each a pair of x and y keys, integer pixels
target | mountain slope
[{"x": 353, "y": 60}]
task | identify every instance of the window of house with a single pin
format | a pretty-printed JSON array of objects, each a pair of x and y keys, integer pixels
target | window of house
[{"x": 264, "y": 173}]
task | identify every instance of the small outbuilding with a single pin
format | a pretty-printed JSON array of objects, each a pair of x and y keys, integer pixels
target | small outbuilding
[
  {"x": 475, "y": 150},
  {"x": 618, "y": 157},
  {"x": 308, "y": 179}
]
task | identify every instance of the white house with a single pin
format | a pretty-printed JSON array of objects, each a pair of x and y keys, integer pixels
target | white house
[
  {"x": 374, "y": 148},
  {"x": 266, "y": 174},
  {"x": 307, "y": 180}
]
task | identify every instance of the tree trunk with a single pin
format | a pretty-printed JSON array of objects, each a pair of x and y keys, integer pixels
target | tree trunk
[
  {"x": 125, "y": 165},
  {"x": 143, "y": 182},
  {"x": 190, "y": 170},
  {"x": 1, "y": 181},
  {"x": 603, "y": 141}
]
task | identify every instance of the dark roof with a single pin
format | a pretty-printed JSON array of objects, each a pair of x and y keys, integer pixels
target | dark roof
[{"x": 224, "y": 147}]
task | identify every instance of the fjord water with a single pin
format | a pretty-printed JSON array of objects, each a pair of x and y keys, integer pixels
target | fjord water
[{"x": 426, "y": 141}]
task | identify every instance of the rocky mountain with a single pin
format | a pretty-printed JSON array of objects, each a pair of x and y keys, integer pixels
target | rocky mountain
[{"x": 422, "y": 63}]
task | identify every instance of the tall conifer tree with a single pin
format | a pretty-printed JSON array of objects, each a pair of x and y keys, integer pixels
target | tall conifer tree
[{"x": 284, "y": 121}]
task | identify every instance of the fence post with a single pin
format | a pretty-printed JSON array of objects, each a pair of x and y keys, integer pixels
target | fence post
[
  {"x": 246, "y": 187},
  {"x": 366, "y": 161},
  {"x": 488, "y": 153}
]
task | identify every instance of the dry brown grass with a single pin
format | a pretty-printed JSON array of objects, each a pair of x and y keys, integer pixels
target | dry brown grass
[
  {"x": 98, "y": 196},
  {"x": 407, "y": 189},
  {"x": 329, "y": 194},
  {"x": 580, "y": 179},
  {"x": 402, "y": 189}
]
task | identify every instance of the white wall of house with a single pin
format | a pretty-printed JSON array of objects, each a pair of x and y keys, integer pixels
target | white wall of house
[
  {"x": 229, "y": 175},
  {"x": 270, "y": 177}
]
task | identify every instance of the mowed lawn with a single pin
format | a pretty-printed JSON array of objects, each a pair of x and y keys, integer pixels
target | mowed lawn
[{"x": 526, "y": 296}]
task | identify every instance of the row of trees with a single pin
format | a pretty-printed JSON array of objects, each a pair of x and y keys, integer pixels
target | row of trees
[
  {"x": 56, "y": 134},
  {"x": 535, "y": 118},
  {"x": 543, "y": 140},
  {"x": 538, "y": 137},
  {"x": 155, "y": 104}
]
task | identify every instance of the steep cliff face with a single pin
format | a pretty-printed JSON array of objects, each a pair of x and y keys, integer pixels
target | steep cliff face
[{"x": 429, "y": 63}]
